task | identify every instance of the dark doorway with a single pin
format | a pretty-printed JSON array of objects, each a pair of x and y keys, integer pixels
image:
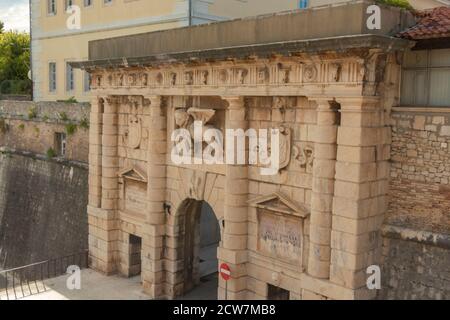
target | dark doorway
[
  {"x": 201, "y": 240},
  {"x": 135, "y": 256},
  {"x": 276, "y": 293},
  {"x": 60, "y": 144}
]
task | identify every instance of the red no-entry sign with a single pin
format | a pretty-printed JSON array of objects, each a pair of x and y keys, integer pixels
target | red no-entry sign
[{"x": 225, "y": 272}]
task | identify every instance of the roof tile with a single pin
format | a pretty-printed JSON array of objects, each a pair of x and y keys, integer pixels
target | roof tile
[{"x": 433, "y": 23}]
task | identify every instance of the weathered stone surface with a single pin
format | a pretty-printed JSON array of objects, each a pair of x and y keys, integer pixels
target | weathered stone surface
[{"x": 42, "y": 210}]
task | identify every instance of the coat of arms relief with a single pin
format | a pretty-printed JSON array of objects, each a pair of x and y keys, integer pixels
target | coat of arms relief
[{"x": 133, "y": 134}]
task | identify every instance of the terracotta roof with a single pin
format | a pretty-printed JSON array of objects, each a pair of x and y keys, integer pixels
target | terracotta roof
[{"x": 431, "y": 24}]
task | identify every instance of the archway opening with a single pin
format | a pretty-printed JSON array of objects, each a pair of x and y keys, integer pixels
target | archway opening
[{"x": 200, "y": 242}]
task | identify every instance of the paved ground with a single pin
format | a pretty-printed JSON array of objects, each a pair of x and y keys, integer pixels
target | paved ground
[
  {"x": 95, "y": 286},
  {"x": 207, "y": 290}
]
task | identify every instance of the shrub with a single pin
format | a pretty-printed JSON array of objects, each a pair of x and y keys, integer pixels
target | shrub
[
  {"x": 70, "y": 100},
  {"x": 15, "y": 87},
  {"x": 63, "y": 116},
  {"x": 71, "y": 129},
  {"x": 397, "y": 3},
  {"x": 84, "y": 123},
  {"x": 51, "y": 153},
  {"x": 21, "y": 126},
  {"x": 32, "y": 113}
]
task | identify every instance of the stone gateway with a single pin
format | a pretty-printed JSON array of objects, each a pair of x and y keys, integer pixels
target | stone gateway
[{"x": 310, "y": 230}]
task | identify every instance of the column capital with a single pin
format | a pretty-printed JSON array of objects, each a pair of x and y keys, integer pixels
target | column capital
[
  {"x": 155, "y": 100},
  {"x": 324, "y": 103},
  {"x": 362, "y": 103},
  {"x": 234, "y": 102},
  {"x": 110, "y": 99}
]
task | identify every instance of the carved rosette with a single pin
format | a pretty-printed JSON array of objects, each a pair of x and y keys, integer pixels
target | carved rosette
[{"x": 310, "y": 73}]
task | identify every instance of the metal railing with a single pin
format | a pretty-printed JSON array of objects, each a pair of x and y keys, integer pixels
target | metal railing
[{"x": 28, "y": 280}]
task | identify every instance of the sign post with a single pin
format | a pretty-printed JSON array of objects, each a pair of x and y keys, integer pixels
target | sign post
[{"x": 225, "y": 273}]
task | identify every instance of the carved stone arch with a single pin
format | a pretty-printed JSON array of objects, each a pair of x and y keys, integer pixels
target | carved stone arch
[
  {"x": 194, "y": 186},
  {"x": 200, "y": 186}
]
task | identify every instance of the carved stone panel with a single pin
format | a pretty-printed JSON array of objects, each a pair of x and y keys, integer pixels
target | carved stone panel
[
  {"x": 280, "y": 236},
  {"x": 280, "y": 227},
  {"x": 134, "y": 131},
  {"x": 135, "y": 198},
  {"x": 134, "y": 193}
]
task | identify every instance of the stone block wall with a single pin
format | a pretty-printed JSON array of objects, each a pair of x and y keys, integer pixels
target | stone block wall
[
  {"x": 295, "y": 182},
  {"x": 416, "y": 245},
  {"x": 42, "y": 201},
  {"x": 416, "y": 266},
  {"x": 31, "y": 127},
  {"x": 420, "y": 171},
  {"x": 42, "y": 210}
]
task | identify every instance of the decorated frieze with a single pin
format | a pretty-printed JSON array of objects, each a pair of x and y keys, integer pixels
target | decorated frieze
[{"x": 275, "y": 74}]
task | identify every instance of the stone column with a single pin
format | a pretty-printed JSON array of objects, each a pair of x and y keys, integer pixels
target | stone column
[
  {"x": 105, "y": 226},
  {"x": 95, "y": 214},
  {"x": 152, "y": 248},
  {"x": 324, "y": 137},
  {"x": 233, "y": 249},
  {"x": 95, "y": 153},
  {"x": 362, "y": 172}
]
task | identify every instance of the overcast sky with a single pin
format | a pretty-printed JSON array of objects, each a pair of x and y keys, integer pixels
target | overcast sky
[{"x": 15, "y": 14}]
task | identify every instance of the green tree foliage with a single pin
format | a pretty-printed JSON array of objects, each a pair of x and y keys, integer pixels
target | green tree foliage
[
  {"x": 14, "y": 62},
  {"x": 2, "y": 27},
  {"x": 396, "y": 3}
]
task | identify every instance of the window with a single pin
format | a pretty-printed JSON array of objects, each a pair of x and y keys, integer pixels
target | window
[
  {"x": 276, "y": 293},
  {"x": 88, "y": 3},
  {"x": 69, "y": 3},
  {"x": 70, "y": 84},
  {"x": 51, "y": 6},
  {"x": 303, "y": 4},
  {"x": 60, "y": 144},
  {"x": 426, "y": 78},
  {"x": 87, "y": 81},
  {"x": 52, "y": 76},
  {"x": 107, "y": 1}
]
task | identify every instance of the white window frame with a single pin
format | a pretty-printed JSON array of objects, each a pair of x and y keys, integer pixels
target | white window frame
[
  {"x": 52, "y": 77},
  {"x": 427, "y": 68},
  {"x": 68, "y": 3},
  {"x": 71, "y": 81},
  {"x": 86, "y": 82},
  {"x": 52, "y": 7},
  {"x": 61, "y": 143}
]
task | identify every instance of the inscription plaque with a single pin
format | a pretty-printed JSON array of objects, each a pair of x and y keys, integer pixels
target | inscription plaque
[
  {"x": 280, "y": 236},
  {"x": 135, "y": 198}
]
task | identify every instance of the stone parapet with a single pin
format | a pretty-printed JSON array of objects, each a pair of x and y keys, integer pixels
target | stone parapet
[{"x": 31, "y": 127}]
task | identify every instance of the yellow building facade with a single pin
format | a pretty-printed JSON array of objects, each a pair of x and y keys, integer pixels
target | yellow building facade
[{"x": 57, "y": 39}]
